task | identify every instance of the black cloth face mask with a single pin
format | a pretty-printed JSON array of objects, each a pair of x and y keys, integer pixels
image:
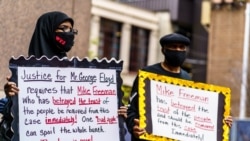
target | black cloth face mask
[
  {"x": 174, "y": 58},
  {"x": 65, "y": 40}
]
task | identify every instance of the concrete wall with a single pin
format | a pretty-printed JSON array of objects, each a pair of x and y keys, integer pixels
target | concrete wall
[{"x": 18, "y": 19}]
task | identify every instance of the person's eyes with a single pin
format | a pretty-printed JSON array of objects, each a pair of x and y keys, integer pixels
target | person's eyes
[
  {"x": 182, "y": 47},
  {"x": 171, "y": 47},
  {"x": 65, "y": 28},
  {"x": 176, "y": 47},
  {"x": 68, "y": 29}
]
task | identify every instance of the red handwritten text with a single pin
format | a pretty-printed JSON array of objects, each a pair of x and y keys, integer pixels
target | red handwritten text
[
  {"x": 103, "y": 91},
  {"x": 61, "y": 120},
  {"x": 182, "y": 106},
  {"x": 89, "y": 101},
  {"x": 64, "y": 101},
  {"x": 83, "y": 91},
  {"x": 164, "y": 91},
  {"x": 106, "y": 120},
  {"x": 204, "y": 126},
  {"x": 202, "y": 119},
  {"x": 200, "y": 98}
]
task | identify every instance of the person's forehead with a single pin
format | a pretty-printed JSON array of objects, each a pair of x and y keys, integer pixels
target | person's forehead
[
  {"x": 66, "y": 23},
  {"x": 175, "y": 44}
]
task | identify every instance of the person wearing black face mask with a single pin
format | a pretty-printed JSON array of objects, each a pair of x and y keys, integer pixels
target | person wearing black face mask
[
  {"x": 53, "y": 36},
  {"x": 173, "y": 47},
  {"x": 64, "y": 36}
]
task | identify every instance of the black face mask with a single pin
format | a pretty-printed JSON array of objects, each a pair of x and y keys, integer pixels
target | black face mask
[
  {"x": 174, "y": 58},
  {"x": 64, "y": 40}
]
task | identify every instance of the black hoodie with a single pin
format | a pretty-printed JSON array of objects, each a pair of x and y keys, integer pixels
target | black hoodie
[{"x": 43, "y": 39}]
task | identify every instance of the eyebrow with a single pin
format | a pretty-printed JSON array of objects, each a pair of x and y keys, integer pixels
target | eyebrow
[{"x": 64, "y": 25}]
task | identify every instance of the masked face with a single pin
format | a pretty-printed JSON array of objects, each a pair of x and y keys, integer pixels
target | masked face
[
  {"x": 64, "y": 40},
  {"x": 174, "y": 58},
  {"x": 64, "y": 36}
]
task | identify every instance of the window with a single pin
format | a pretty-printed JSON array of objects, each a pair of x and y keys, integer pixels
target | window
[
  {"x": 138, "y": 49},
  {"x": 109, "y": 45}
]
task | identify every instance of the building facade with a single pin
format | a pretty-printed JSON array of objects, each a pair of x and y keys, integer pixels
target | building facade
[
  {"x": 129, "y": 30},
  {"x": 225, "y": 51},
  {"x": 128, "y": 33},
  {"x": 216, "y": 29}
]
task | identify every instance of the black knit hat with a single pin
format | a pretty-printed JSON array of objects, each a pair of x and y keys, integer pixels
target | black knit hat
[{"x": 174, "y": 38}]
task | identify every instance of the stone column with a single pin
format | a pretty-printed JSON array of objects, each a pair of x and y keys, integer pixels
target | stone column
[
  {"x": 125, "y": 46},
  {"x": 153, "y": 49},
  {"x": 94, "y": 37}
]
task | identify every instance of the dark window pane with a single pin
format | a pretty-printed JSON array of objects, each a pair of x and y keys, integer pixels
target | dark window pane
[
  {"x": 138, "y": 48},
  {"x": 109, "y": 45}
]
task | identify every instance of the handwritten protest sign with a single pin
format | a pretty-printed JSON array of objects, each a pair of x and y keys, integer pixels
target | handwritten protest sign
[
  {"x": 176, "y": 109},
  {"x": 66, "y": 103}
]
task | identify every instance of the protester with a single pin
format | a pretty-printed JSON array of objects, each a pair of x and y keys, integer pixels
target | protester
[
  {"x": 174, "y": 48},
  {"x": 53, "y": 36}
]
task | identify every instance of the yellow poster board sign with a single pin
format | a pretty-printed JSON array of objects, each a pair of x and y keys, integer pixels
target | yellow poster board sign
[{"x": 173, "y": 109}]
